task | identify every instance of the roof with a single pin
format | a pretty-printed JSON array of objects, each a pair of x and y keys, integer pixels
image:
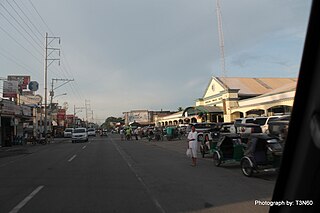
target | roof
[
  {"x": 284, "y": 88},
  {"x": 209, "y": 109},
  {"x": 194, "y": 110},
  {"x": 254, "y": 86}
]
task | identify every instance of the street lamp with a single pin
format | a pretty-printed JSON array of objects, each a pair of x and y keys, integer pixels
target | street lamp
[{"x": 60, "y": 95}]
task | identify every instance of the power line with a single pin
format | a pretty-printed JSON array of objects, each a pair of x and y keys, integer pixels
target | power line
[
  {"x": 16, "y": 61},
  {"x": 35, "y": 9},
  {"x": 27, "y": 18},
  {"x": 20, "y": 26},
  {"x": 39, "y": 39},
  {"x": 8, "y": 34}
]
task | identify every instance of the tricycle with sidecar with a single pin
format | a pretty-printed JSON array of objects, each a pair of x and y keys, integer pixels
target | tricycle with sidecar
[
  {"x": 172, "y": 132},
  {"x": 263, "y": 153},
  {"x": 229, "y": 148}
]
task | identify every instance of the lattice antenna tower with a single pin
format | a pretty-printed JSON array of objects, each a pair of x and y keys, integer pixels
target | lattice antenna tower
[{"x": 221, "y": 39}]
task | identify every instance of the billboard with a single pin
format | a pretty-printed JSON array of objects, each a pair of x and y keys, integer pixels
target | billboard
[
  {"x": 61, "y": 114},
  {"x": 10, "y": 89},
  {"x": 31, "y": 100},
  {"x": 23, "y": 80},
  {"x": 138, "y": 116}
]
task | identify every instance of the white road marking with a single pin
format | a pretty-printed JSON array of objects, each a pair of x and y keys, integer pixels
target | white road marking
[
  {"x": 26, "y": 200},
  {"x": 73, "y": 157},
  {"x": 131, "y": 165},
  {"x": 84, "y": 147}
]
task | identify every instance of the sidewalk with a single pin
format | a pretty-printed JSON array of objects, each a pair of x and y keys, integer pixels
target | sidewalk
[{"x": 13, "y": 150}]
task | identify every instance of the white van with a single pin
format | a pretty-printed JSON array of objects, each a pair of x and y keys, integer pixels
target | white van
[{"x": 79, "y": 134}]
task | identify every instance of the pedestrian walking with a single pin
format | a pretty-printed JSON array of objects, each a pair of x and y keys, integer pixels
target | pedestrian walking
[
  {"x": 122, "y": 134},
  {"x": 193, "y": 144},
  {"x": 136, "y": 133}
]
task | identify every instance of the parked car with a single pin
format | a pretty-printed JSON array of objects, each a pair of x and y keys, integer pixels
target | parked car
[
  {"x": 223, "y": 127},
  {"x": 67, "y": 133},
  {"x": 202, "y": 127},
  {"x": 279, "y": 128},
  {"x": 264, "y": 122},
  {"x": 80, "y": 134},
  {"x": 239, "y": 121},
  {"x": 243, "y": 128},
  {"x": 91, "y": 132}
]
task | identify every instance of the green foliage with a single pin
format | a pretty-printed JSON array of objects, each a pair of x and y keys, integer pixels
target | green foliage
[
  {"x": 180, "y": 109},
  {"x": 108, "y": 124}
]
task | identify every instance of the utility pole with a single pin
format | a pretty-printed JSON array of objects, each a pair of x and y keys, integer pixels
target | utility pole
[
  {"x": 52, "y": 94},
  {"x": 74, "y": 113},
  {"x": 48, "y": 41},
  {"x": 88, "y": 108},
  {"x": 92, "y": 116}
]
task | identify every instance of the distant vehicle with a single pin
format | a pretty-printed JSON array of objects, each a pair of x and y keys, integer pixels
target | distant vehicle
[
  {"x": 223, "y": 127},
  {"x": 243, "y": 128},
  {"x": 68, "y": 133},
  {"x": 79, "y": 134},
  {"x": 263, "y": 122},
  {"x": 202, "y": 127},
  {"x": 91, "y": 132},
  {"x": 104, "y": 132},
  {"x": 243, "y": 120}
]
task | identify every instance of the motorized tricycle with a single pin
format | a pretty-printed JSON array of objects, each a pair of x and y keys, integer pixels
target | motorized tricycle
[
  {"x": 209, "y": 139},
  {"x": 263, "y": 154},
  {"x": 229, "y": 149},
  {"x": 172, "y": 133}
]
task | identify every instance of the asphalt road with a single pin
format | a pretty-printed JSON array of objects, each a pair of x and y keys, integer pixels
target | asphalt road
[{"x": 110, "y": 175}]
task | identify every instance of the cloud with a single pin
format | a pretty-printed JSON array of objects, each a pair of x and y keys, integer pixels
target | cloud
[{"x": 152, "y": 54}]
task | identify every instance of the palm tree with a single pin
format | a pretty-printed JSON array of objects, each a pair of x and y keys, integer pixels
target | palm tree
[{"x": 180, "y": 109}]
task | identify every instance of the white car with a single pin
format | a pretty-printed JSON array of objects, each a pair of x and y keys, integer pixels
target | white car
[
  {"x": 68, "y": 133},
  {"x": 91, "y": 132},
  {"x": 264, "y": 122},
  {"x": 79, "y": 134}
]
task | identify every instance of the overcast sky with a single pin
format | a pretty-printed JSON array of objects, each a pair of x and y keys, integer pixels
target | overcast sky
[{"x": 149, "y": 54}]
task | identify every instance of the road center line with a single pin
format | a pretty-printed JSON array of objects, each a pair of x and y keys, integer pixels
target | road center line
[
  {"x": 84, "y": 147},
  {"x": 131, "y": 165},
  {"x": 26, "y": 200},
  {"x": 73, "y": 157}
]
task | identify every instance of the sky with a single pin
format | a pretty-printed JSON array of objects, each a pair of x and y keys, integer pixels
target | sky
[{"x": 148, "y": 54}]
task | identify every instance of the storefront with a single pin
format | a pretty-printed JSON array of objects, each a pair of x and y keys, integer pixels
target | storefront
[{"x": 14, "y": 121}]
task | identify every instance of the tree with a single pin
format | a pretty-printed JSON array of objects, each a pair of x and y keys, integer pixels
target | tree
[
  {"x": 180, "y": 109},
  {"x": 108, "y": 124}
]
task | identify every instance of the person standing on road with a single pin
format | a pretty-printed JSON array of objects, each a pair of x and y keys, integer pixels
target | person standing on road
[{"x": 193, "y": 144}]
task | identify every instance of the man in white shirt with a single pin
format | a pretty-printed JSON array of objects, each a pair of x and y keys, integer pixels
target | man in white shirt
[{"x": 193, "y": 144}]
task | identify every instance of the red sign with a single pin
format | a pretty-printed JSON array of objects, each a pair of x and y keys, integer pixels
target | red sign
[
  {"x": 61, "y": 114},
  {"x": 23, "y": 80}
]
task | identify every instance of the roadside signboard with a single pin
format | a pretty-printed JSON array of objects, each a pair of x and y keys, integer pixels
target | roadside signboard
[
  {"x": 33, "y": 86},
  {"x": 22, "y": 79},
  {"x": 31, "y": 100},
  {"x": 10, "y": 89}
]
